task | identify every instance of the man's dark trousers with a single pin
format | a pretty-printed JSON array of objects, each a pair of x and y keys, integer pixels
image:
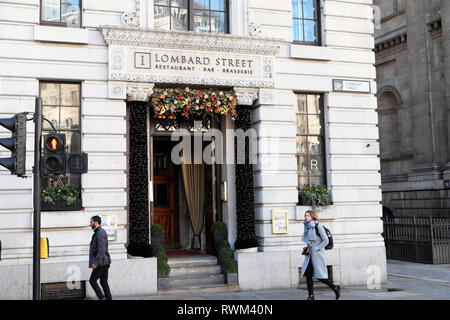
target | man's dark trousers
[{"x": 102, "y": 274}]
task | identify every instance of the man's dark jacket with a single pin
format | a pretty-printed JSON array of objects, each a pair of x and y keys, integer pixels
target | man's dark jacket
[{"x": 98, "y": 249}]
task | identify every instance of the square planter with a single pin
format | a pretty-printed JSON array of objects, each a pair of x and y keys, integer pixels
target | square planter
[
  {"x": 231, "y": 278},
  {"x": 60, "y": 205},
  {"x": 163, "y": 283}
]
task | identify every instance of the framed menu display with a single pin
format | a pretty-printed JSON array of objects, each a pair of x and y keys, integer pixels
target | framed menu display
[
  {"x": 280, "y": 221},
  {"x": 109, "y": 224}
]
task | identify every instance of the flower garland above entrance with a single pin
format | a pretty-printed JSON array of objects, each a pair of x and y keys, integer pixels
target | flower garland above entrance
[{"x": 192, "y": 102}]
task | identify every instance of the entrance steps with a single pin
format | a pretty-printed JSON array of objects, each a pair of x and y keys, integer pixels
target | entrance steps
[{"x": 196, "y": 274}]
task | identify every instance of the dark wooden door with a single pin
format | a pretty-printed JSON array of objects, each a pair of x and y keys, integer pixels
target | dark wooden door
[{"x": 164, "y": 193}]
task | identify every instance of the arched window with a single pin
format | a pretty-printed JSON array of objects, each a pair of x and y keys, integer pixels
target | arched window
[{"x": 388, "y": 125}]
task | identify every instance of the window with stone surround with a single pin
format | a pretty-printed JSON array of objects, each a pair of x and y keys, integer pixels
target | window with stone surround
[
  {"x": 310, "y": 139},
  {"x": 306, "y": 21},
  {"x": 64, "y": 13},
  {"x": 61, "y": 105},
  {"x": 193, "y": 15}
]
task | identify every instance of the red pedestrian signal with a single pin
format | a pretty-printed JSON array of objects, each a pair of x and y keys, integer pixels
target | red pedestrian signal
[{"x": 54, "y": 161}]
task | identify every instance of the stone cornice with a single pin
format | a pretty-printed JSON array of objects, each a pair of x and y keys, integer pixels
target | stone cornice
[
  {"x": 399, "y": 39},
  {"x": 137, "y": 37}
]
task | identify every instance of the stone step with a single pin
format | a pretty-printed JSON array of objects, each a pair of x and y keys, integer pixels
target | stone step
[
  {"x": 208, "y": 288},
  {"x": 194, "y": 280},
  {"x": 192, "y": 261},
  {"x": 198, "y": 270}
]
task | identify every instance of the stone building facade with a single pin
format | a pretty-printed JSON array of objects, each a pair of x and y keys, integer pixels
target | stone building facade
[
  {"x": 412, "y": 60},
  {"x": 101, "y": 58}
]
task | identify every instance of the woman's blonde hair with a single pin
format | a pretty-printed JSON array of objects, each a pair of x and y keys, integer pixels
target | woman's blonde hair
[{"x": 313, "y": 215}]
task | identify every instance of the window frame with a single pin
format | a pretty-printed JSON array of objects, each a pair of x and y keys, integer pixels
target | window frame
[
  {"x": 59, "y": 24},
  {"x": 80, "y": 130},
  {"x": 322, "y": 135},
  {"x": 191, "y": 16},
  {"x": 319, "y": 26}
]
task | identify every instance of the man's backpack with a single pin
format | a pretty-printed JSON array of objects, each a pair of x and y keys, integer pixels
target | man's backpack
[{"x": 330, "y": 237}]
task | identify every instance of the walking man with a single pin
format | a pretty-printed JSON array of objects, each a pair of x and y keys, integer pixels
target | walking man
[{"x": 99, "y": 260}]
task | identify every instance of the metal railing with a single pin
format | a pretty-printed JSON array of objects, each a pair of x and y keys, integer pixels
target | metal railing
[{"x": 422, "y": 240}]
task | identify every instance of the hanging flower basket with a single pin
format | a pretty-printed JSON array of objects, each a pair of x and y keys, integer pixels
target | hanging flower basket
[
  {"x": 60, "y": 198},
  {"x": 193, "y": 103}
]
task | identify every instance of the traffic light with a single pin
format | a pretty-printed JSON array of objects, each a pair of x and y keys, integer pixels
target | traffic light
[
  {"x": 54, "y": 161},
  {"x": 16, "y": 144},
  {"x": 76, "y": 163}
]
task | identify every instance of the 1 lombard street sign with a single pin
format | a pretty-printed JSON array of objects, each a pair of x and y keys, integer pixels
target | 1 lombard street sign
[{"x": 161, "y": 56}]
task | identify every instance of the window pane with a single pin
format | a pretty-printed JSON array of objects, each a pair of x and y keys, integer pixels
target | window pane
[
  {"x": 201, "y": 4},
  {"x": 162, "y": 17},
  {"x": 201, "y": 21},
  {"x": 313, "y": 104},
  {"x": 52, "y": 114},
  {"x": 218, "y": 22},
  {"x": 73, "y": 141},
  {"x": 314, "y": 124},
  {"x": 50, "y": 93},
  {"x": 302, "y": 162},
  {"x": 302, "y": 124},
  {"x": 310, "y": 31},
  {"x": 301, "y": 144},
  {"x": 70, "y": 94},
  {"x": 302, "y": 181},
  {"x": 71, "y": 13},
  {"x": 315, "y": 146},
  {"x": 296, "y": 9},
  {"x": 309, "y": 9},
  {"x": 51, "y": 10},
  {"x": 70, "y": 118},
  {"x": 316, "y": 165},
  {"x": 162, "y": 2},
  {"x": 179, "y": 19},
  {"x": 218, "y": 5},
  {"x": 162, "y": 195},
  {"x": 180, "y": 3},
  {"x": 301, "y": 103},
  {"x": 317, "y": 180},
  {"x": 297, "y": 29}
]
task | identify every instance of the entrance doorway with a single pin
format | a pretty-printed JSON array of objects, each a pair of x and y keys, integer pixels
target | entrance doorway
[
  {"x": 170, "y": 207},
  {"x": 165, "y": 196}
]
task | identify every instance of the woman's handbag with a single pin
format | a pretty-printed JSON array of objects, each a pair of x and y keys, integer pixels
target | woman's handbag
[{"x": 307, "y": 251}]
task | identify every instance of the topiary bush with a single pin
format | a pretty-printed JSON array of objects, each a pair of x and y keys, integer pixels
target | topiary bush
[
  {"x": 156, "y": 230},
  {"x": 158, "y": 251},
  {"x": 222, "y": 244},
  {"x": 224, "y": 253},
  {"x": 162, "y": 260},
  {"x": 163, "y": 269},
  {"x": 219, "y": 227},
  {"x": 230, "y": 266}
]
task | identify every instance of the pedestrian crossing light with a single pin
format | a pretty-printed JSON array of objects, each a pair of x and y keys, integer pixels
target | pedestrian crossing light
[
  {"x": 16, "y": 143},
  {"x": 54, "y": 161}
]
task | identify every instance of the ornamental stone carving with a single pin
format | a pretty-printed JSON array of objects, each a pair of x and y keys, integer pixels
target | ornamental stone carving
[
  {"x": 117, "y": 90},
  {"x": 246, "y": 96},
  {"x": 130, "y": 19},
  {"x": 170, "y": 39},
  {"x": 139, "y": 92},
  {"x": 254, "y": 29}
]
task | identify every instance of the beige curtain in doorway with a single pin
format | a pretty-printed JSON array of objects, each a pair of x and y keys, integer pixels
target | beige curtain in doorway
[{"x": 194, "y": 185}]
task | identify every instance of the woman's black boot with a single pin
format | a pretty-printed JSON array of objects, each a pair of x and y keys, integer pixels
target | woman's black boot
[
  {"x": 337, "y": 291},
  {"x": 310, "y": 297}
]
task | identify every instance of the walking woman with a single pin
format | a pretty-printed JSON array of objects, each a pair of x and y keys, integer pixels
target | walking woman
[{"x": 314, "y": 264}]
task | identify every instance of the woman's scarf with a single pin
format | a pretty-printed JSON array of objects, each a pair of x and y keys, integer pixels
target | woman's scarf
[
  {"x": 310, "y": 229},
  {"x": 311, "y": 224}
]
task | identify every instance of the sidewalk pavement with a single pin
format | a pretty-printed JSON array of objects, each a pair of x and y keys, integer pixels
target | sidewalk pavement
[{"x": 406, "y": 281}]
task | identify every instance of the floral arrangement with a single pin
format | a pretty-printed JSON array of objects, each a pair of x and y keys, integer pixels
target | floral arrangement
[
  {"x": 314, "y": 195},
  {"x": 192, "y": 102},
  {"x": 68, "y": 193}
]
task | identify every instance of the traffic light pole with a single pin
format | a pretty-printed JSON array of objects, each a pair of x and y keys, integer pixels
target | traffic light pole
[{"x": 37, "y": 201}]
